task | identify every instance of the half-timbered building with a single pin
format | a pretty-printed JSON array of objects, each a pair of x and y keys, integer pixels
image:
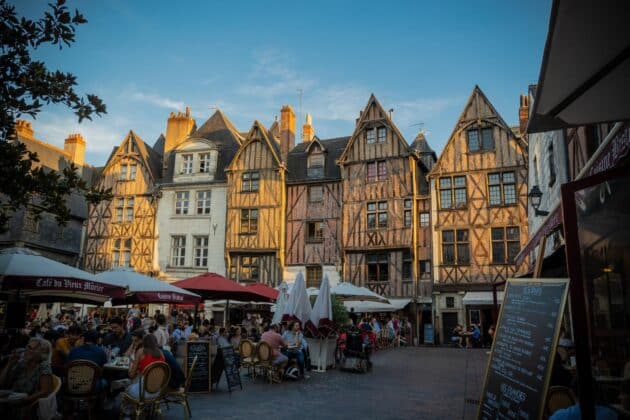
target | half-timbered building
[
  {"x": 379, "y": 173},
  {"x": 313, "y": 244},
  {"x": 192, "y": 207},
  {"x": 256, "y": 204},
  {"x": 122, "y": 232},
  {"x": 479, "y": 214}
]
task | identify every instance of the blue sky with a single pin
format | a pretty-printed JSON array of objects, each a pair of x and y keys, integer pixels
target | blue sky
[{"x": 148, "y": 58}]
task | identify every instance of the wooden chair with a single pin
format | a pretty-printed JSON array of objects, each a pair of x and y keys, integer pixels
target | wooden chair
[
  {"x": 265, "y": 362},
  {"x": 559, "y": 397},
  {"x": 180, "y": 396},
  {"x": 248, "y": 350},
  {"x": 153, "y": 381},
  {"x": 81, "y": 380},
  {"x": 382, "y": 338}
]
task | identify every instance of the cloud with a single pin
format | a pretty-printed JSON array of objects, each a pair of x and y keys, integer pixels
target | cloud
[{"x": 158, "y": 101}]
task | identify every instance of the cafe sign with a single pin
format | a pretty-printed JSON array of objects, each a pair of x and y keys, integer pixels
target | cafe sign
[{"x": 613, "y": 152}]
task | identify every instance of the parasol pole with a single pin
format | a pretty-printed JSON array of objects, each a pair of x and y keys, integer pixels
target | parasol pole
[{"x": 227, "y": 312}]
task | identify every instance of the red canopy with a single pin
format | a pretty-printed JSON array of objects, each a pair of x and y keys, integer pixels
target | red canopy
[
  {"x": 264, "y": 290},
  {"x": 214, "y": 286}
]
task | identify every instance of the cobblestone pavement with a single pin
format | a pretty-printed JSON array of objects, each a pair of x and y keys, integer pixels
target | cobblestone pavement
[{"x": 405, "y": 383}]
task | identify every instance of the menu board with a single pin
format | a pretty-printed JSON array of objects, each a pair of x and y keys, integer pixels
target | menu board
[
  {"x": 200, "y": 381},
  {"x": 230, "y": 366},
  {"x": 519, "y": 368}
]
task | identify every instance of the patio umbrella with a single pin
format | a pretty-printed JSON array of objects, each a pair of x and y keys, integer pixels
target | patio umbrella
[
  {"x": 264, "y": 290},
  {"x": 369, "y": 306},
  {"x": 145, "y": 289},
  {"x": 281, "y": 303},
  {"x": 298, "y": 306},
  {"x": 27, "y": 273},
  {"x": 322, "y": 314},
  {"x": 213, "y": 286},
  {"x": 349, "y": 291}
]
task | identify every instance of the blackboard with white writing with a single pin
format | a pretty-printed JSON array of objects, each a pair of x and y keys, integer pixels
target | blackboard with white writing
[
  {"x": 518, "y": 372},
  {"x": 231, "y": 368},
  {"x": 200, "y": 381}
]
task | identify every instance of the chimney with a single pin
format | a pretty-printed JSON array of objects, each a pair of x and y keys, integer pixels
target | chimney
[
  {"x": 74, "y": 145},
  {"x": 287, "y": 130},
  {"x": 308, "y": 132},
  {"x": 24, "y": 129},
  {"x": 523, "y": 114},
  {"x": 178, "y": 127}
]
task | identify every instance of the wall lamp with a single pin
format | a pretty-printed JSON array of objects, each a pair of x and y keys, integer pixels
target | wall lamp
[{"x": 534, "y": 197}]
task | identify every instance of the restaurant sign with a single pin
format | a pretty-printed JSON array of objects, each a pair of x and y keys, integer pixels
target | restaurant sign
[
  {"x": 69, "y": 284},
  {"x": 613, "y": 152}
]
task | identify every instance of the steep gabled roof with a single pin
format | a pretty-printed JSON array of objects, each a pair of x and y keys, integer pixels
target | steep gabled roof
[
  {"x": 427, "y": 154},
  {"x": 149, "y": 157},
  {"x": 297, "y": 165},
  {"x": 463, "y": 122},
  {"x": 259, "y": 132},
  {"x": 359, "y": 127},
  {"x": 275, "y": 129},
  {"x": 158, "y": 146}
]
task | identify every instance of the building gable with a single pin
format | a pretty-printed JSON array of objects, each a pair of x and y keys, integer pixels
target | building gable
[{"x": 266, "y": 151}]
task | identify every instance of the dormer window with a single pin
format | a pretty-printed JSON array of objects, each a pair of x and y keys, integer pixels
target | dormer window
[
  {"x": 187, "y": 164},
  {"x": 480, "y": 140},
  {"x": 204, "y": 162},
  {"x": 316, "y": 165}
]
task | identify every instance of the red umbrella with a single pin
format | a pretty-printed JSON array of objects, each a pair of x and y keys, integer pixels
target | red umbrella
[
  {"x": 214, "y": 286},
  {"x": 264, "y": 290}
]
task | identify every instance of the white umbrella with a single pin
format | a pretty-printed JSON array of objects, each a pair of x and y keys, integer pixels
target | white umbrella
[
  {"x": 368, "y": 306},
  {"x": 351, "y": 292},
  {"x": 322, "y": 309},
  {"x": 145, "y": 289},
  {"x": 28, "y": 273},
  {"x": 298, "y": 304},
  {"x": 281, "y": 303}
]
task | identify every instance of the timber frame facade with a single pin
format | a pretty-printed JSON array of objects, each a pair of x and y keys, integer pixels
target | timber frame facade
[
  {"x": 380, "y": 175},
  {"x": 122, "y": 232},
  {"x": 479, "y": 212},
  {"x": 256, "y": 210}
]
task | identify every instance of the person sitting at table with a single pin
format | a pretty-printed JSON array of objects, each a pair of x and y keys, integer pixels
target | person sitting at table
[
  {"x": 235, "y": 337},
  {"x": 118, "y": 337},
  {"x": 62, "y": 348},
  {"x": 136, "y": 343},
  {"x": 293, "y": 338},
  {"x": 275, "y": 340},
  {"x": 224, "y": 338},
  {"x": 31, "y": 376},
  {"x": 88, "y": 350}
]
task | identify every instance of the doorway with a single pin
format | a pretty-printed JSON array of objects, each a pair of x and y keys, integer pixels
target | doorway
[{"x": 449, "y": 322}]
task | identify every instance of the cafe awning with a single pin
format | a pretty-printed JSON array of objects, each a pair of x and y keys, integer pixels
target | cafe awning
[
  {"x": 482, "y": 298},
  {"x": 551, "y": 223},
  {"x": 585, "y": 72}
]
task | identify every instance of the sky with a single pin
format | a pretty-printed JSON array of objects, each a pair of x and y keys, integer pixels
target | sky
[{"x": 248, "y": 58}]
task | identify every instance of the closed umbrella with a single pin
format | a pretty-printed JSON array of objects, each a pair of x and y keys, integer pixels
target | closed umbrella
[
  {"x": 281, "y": 303},
  {"x": 322, "y": 309},
  {"x": 298, "y": 307}
]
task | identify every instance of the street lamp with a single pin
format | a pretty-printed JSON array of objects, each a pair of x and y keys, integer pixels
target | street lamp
[{"x": 534, "y": 196}]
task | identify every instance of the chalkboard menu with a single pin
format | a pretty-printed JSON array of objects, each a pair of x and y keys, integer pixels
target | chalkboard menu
[
  {"x": 518, "y": 372},
  {"x": 230, "y": 366},
  {"x": 200, "y": 381}
]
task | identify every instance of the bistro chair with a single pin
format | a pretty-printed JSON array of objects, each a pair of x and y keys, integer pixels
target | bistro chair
[
  {"x": 382, "y": 339},
  {"x": 559, "y": 397},
  {"x": 82, "y": 377},
  {"x": 154, "y": 380},
  {"x": 247, "y": 350},
  {"x": 47, "y": 406},
  {"x": 180, "y": 396},
  {"x": 265, "y": 362}
]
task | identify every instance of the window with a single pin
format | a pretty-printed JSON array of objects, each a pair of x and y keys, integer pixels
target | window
[
  {"x": 382, "y": 135},
  {"x": 121, "y": 253},
  {"x": 250, "y": 181},
  {"x": 407, "y": 264},
  {"x": 455, "y": 247},
  {"x": 181, "y": 202},
  {"x": 377, "y": 171},
  {"x": 200, "y": 251},
  {"x": 452, "y": 191},
  {"x": 424, "y": 219},
  {"x": 123, "y": 172},
  {"x": 552, "y": 165},
  {"x": 315, "y": 231},
  {"x": 314, "y": 276},
  {"x": 505, "y": 244},
  {"x": 132, "y": 171},
  {"x": 124, "y": 209},
  {"x": 204, "y": 162},
  {"x": 377, "y": 214},
  {"x": 424, "y": 267},
  {"x": 120, "y": 209},
  {"x": 315, "y": 166},
  {"x": 249, "y": 220},
  {"x": 407, "y": 214},
  {"x": 370, "y": 136},
  {"x": 249, "y": 268},
  {"x": 316, "y": 194},
  {"x": 501, "y": 188},
  {"x": 203, "y": 202},
  {"x": 450, "y": 302},
  {"x": 178, "y": 251},
  {"x": 129, "y": 209},
  {"x": 480, "y": 139},
  {"x": 377, "y": 265},
  {"x": 187, "y": 164}
]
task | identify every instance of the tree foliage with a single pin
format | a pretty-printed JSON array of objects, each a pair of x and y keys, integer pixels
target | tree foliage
[{"x": 26, "y": 85}]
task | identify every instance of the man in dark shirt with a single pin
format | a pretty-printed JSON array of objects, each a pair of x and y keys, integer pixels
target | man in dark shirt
[
  {"x": 177, "y": 375},
  {"x": 89, "y": 350},
  {"x": 118, "y": 337}
]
